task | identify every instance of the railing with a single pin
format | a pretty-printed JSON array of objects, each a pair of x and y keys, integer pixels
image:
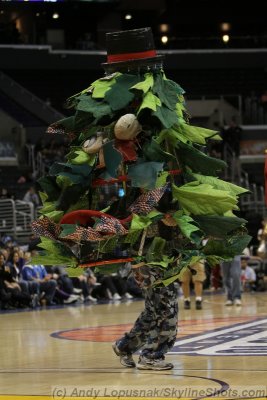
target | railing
[
  {"x": 16, "y": 218},
  {"x": 28, "y": 100}
]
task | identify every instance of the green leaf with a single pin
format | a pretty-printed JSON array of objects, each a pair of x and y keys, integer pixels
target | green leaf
[
  {"x": 218, "y": 226},
  {"x": 67, "y": 229},
  {"x": 166, "y": 91},
  {"x": 197, "y": 134},
  {"x": 227, "y": 248},
  {"x": 63, "y": 181},
  {"x": 99, "y": 109},
  {"x": 49, "y": 185},
  {"x": 146, "y": 84},
  {"x": 139, "y": 223},
  {"x": 119, "y": 96},
  {"x": 74, "y": 272},
  {"x": 220, "y": 184},
  {"x": 171, "y": 135},
  {"x": 149, "y": 101},
  {"x": 213, "y": 260},
  {"x": 179, "y": 110},
  {"x": 154, "y": 152},
  {"x": 48, "y": 207},
  {"x": 197, "y": 161},
  {"x": 55, "y": 216},
  {"x": 113, "y": 158},
  {"x": 83, "y": 158},
  {"x": 77, "y": 174},
  {"x": 43, "y": 197},
  {"x": 57, "y": 253},
  {"x": 144, "y": 174},
  {"x": 167, "y": 117},
  {"x": 156, "y": 250},
  {"x": 161, "y": 179},
  {"x": 168, "y": 281},
  {"x": 101, "y": 86},
  {"x": 186, "y": 224},
  {"x": 199, "y": 199}
]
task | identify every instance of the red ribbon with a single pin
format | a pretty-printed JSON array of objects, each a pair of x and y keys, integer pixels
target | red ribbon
[{"x": 131, "y": 56}]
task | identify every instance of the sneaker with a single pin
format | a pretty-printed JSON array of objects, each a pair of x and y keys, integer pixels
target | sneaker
[
  {"x": 238, "y": 302},
  {"x": 229, "y": 303},
  {"x": 35, "y": 301},
  {"x": 198, "y": 305},
  {"x": 128, "y": 296},
  {"x": 91, "y": 298},
  {"x": 71, "y": 299},
  {"x": 155, "y": 364},
  {"x": 77, "y": 291},
  {"x": 187, "y": 305},
  {"x": 116, "y": 296},
  {"x": 125, "y": 359}
]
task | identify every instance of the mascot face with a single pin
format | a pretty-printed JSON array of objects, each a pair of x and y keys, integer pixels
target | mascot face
[{"x": 127, "y": 127}]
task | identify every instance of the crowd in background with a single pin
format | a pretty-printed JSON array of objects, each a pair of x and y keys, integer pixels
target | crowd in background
[{"x": 25, "y": 284}]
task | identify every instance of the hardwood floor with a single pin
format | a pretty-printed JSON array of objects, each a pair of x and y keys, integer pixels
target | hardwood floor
[{"x": 66, "y": 352}]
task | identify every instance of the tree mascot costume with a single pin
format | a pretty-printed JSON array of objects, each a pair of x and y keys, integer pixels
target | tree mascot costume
[{"x": 130, "y": 133}]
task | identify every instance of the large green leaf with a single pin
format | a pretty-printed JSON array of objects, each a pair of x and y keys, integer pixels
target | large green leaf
[
  {"x": 197, "y": 134},
  {"x": 144, "y": 174},
  {"x": 50, "y": 187},
  {"x": 154, "y": 152},
  {"x": 146, "y": 84},
  {"x": 139, "y": 223},
  {"x": 166, "y": 116},
  {"x": 149, "y": 101},
  {"x": 78, "y": 174},
  {"x": 166, "y": 91},
  {"x": 227, "y": 248},
  {"x": 197, "y": 160},
  {"x": 112, "y": 157},
  {"x": 56, "y": 253},
  {"x": 101, "y": 86},
  {"x": 97, "y": 108},
  {"x": 155, "y": 251},
  {"x": 203, "y": 199},
  {"x": 217, "y": 225},
  {"x": 220, "y": 184},
  {"x": 186, "y": 225},
  {"x": 55, "y": 216},
  {"x": 119, "y": 96}
]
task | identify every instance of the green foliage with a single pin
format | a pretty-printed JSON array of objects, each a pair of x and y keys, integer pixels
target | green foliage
[
  {"x": 119, "y": 96},
  {"x": 56, "y": 253},
  {"x": 203, "y": 199}
]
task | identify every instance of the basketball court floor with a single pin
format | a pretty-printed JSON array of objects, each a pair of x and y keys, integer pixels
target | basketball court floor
[{"x": 65, "y": 353}]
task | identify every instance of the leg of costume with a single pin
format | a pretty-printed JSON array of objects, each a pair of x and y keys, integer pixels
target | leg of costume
[{"x": 155, "y": 329}]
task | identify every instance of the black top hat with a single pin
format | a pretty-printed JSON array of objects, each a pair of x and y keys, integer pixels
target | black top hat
[{"x": 132, "y": 49}]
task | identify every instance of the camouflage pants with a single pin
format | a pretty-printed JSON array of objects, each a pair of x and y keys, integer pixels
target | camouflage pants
[{"x": 155, "y": 329}]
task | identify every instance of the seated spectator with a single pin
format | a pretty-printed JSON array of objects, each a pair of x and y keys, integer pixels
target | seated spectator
[
  {"x": 11, "y": 294},
  {"x": 14, "y": 266},
  {"x": 65, "y": 292},
  {"x": 248, "y": 275},
  {"x": 87, "y": 282},
  {"x": 38, "y": 273}
]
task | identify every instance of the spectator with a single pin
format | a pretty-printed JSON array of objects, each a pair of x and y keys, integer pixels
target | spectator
[
  {"x": 231, "y": 271},
  {"x": 38, "y": 273},
  {"x": 197, "y": 274},
  {"x": 11, "y": 294},
  {"x": 248, "y": 275},
  {"x": 32, "y": 197}
]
